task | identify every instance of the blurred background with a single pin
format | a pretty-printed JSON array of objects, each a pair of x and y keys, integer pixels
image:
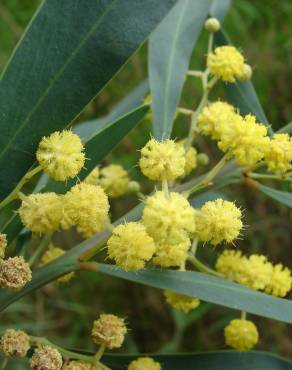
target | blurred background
[{"x": 64, "y": 313}]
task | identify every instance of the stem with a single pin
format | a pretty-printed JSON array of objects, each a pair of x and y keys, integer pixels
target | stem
[
  {"x": 243, "y": 315},
  {"x": 100, "y": 352},
  {"x": 202, "y": 267},
  {"x": 195, "y": 73},
  {"x": 165, "y": 188},
  {"x": 43, "y": 244},
  {"x": 4, "y": 363},
  {"x": 194, "y": 247},
  {"x": 209, "y": 176},
  {"x": 187, "y": 112},
  {"x": 210, "y": 42},
  {"x": 269, "y": 177},
  {"x": 14, "y": 194}
]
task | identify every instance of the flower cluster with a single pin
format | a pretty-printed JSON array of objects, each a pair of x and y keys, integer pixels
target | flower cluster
[
  {"x": 181, "y": 302},
  {"x": 144, "y": 363},
  {"x": 241, "y": 334},
  {"x": 109, "y": 331},
  {"x": 15, "y": 273},
  {"x": 255, "y": 272}
]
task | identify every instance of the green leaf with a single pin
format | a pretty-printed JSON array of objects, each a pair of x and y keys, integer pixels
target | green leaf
[
  {"x": 287, "y": 129},
  {"x": 69, "y": 52},
  {"x": 219, "y": 9},
  {"x": 242, "y": 94},
  {"x": 221, "y": 360},
  {"x": 101, "y": 142},
  {"x": 170, "y": 49},
  {"x": 281, "y": 196}
]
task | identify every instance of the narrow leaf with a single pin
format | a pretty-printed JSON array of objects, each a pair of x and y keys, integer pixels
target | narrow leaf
[
  {"x": 287, "y": 129},
  {"x": 170, "y": 49},
  {"x": 219, "y": 9},
  {"x": 70, "y": 51},
  {"x": 281, "y": 196}
]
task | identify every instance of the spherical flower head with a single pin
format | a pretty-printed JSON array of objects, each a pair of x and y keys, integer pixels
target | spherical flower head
[
  {"x": 214, "y": 118},
  {"x": 181, "y": 302},
  {"x": 61, "y": 155},
  {"x": 218, "y": 221},
  {"x": 246, "y": 73},
  {"x": 229, "y": 264},
  {"x": 88, "y": 208},
  {"x": 191, "y": 160},
  {"x": 130, "y": 246},
  {"x": 162, "y": 160},
  {"x": 42, "y": 213},
  {"x": 15, "y": 273},
  {"x": 144, "y": 363},
  {"x": 77, "y": 365},
  {"x": 255, "y": 272},
  {"x": 278, "y": 156},
  {"x": 226, "y": 63},
  {"x": 3, "y": 245},
  {"x": 245, "y": 139},
  {"x": 169, "y": 254},
  {"x": 50, "y": 255},
  {"x": 109, "y": 330},
  {"x": 114, "y": 180},
  {"x": 168, "y": 218},
  {"x": 241, "y": 335},
  {"x": 46, "y": 358},
  {"x": 93, "y": 177},
  {"x": 14, "y": 343},
  {"x": 212, "y": 25},
  {"x": 281, "y": 281}
]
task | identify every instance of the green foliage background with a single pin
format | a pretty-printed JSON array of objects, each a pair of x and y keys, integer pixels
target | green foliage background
[{"x": 263, "y": 30}]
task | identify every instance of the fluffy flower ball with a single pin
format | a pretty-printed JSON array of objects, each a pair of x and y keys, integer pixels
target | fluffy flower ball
[
  {"x": 241, "y": 335},
  {"x": 109, "y": 330},
  {"x": 130, "y": 246},
  {"x": 77, "y": 365},
  {"x": 46, "y": 358},
  {"x": 214, "y": 118},
  {"x": 3, "y": 245},
  {"x": 93, "y": 177},
  {"x": 191, "y": 161},
  {"x": 162, "y": 160},
  {"x": 88, "y": 207},
  {"x": 61, "y": 155},
  {"x": 114, "y": 180},
  {"x": 15, "y": 273},
  {"x": 168, "y": 219},
  {"x": 278, "y": 156},
  {"x": 218, "y": 221},
  {"x": 15, "y": 343},
  {"x": 172, "y": 254},
  {"x": 181, "y": 302},
  {"x": 144, "y": 363},
  {"x": 280, "y": 281},
  {"x": 229, "y": 264},
  {"x": 226, "y": 63},
  {"x": 50, "y": 255},
  {"x": 245, "y": 139}
]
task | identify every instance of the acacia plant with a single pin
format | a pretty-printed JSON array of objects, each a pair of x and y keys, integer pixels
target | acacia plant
[{"x": 52, "y": 179}]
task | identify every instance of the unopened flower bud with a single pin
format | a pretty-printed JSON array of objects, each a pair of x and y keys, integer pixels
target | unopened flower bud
[
  {"x": 14, "y": 273},
  {"x": 109, "y": 330},
  {"x": 15, "y": 343},
  {"x": 246, "y": 73},
  {"x": 46, "y": 358},
  {"x": 212, "y": 25},
  {"x": 134, "y": 187},
  {"x": 203, "y": 159}
]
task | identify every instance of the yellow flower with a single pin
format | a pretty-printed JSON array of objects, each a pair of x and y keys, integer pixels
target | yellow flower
[
  {"x": 191, "y": 161},
  {"x": 15, "y": 343},
  {"x": 226, "y": 63},
  {"x": 130, "y": 246},
  {"x": 61, "y": 155},
  {"x": 280, "y": 282},
  {"x": 88, "y": 207},
  {"x": 171, "y": 254},
  {"x": 181, "y": 302},
  {"x": 15, "y": 273},
  {"x": 144, "y": 363},
  {"x": 168, "y": 219},
  {"x": 44, "y": 212},
  {"x": 214, "y": 118},
  {"x": 241, "y": 335},
  {"x": 109, "y": 330},
  {"x": 218, "y": 221},
  {"x": 278, "y": 156},
  {"x": 93, "y": 177},
  {"x": 114, "y": 180},
  {"x": 50, "y": 255},
  {"x": 244, "y": 139},
  {"x": 255, "y": 272},
  {"x": 46, "y": 358},
  {"x": 229, "y": 264},
  {"x": 212, "y": 25},
  {"x": 77, "y": 365},
  {"x": 3, "y": 245},
  {"x": 162, "y": 160}
]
